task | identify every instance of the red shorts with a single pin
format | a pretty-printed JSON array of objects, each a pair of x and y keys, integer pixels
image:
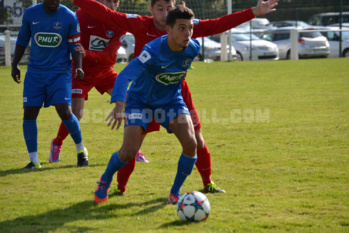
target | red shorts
[
  {"x": 101, "y": 80},
  {"x": 186, "y": 94}
]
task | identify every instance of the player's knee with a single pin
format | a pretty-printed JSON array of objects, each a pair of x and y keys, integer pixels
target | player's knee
[
  {"x": 127, "y": 154},
  {"x": 31, "y": 113},
  {"x": 189, "y": 147},
  {"x": 64, "y": 111}
]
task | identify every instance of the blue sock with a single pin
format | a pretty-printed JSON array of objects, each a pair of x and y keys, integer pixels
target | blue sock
[
  {"x": 30, "y": 132},
  {"x": 185, "y": 167},
  {"x": 114, "y": 165},
  {"x": 73, "y": 127}
]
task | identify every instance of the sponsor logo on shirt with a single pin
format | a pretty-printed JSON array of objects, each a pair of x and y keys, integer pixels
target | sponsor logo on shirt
[
  {"x": 131, "y": 15},
  {"x": 47, "y": 39},
  {"x": 135, "y": 116},
  {"x": 77, "y": 91},
  {"x": 98, "y": 43},
  {"x": 144, "y": 56},
  {"x": 57, "y": 25},
  {"x": 169, "y": 78}
]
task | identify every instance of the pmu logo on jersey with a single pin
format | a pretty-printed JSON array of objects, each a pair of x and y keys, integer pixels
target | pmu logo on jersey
[
  {"x": 57, "y": 25},
  {"x": 47, "y": 39},
  {"x": 110, "y": 34},
  {"x": 169, "y": 78},
  {"x": 98, "y": 43}
]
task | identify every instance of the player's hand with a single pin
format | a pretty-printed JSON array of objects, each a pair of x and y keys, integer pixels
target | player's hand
[
  {"x": 117, "y": 115},
  {"x": 264, "y": 7},
  {"x": 79, "y": 74},
  {"x": 16, "y": 74},
  {"x": 79, "y": 48}
]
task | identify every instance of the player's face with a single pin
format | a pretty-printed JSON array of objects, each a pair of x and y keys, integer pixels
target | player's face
[
  {"x": 111, "y": 4},
  {"x": 179, "y": 35},
  {"x": 51, "y": 6},
  {"x": 159, "y": 11}
]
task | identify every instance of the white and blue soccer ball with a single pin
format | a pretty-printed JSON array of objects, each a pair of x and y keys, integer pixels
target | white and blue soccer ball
[{"x": 193, "y": 206}]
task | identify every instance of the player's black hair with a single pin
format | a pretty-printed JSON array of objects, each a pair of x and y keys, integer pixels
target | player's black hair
[
  {"x": 178, "y": 12},
  {"x": 152, "y": 2}
]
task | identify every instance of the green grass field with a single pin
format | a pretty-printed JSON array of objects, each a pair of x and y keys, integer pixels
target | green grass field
[{"x": 278, "y": 133}]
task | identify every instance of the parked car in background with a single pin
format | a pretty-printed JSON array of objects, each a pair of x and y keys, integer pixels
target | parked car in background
[
  {"x": 325, "y": 19},
  {"x": 121, "y": 55},
  {"x": 310, "y": 43},
  {"x": 129, "y": 45},
  {"x": 333, "y": 39},
  {"x": 244, "y": 41},
  {"x": 288, "y": 23},
  {"x": 213, "y": 49}
]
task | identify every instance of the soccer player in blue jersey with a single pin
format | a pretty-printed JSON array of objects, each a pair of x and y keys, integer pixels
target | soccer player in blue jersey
[
  {"x": 54, "y": 32},
  {"x": 155, "y": 93}
]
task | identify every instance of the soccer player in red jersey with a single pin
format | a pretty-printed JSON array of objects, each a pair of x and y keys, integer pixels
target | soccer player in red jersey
[
  {"x": 100, "y": 43},
  {"x": 145, "y": 29}
]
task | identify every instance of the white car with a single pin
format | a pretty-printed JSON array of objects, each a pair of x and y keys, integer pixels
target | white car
[
  {"x": 213, "y": 49},
  {"x": 129, "y": 45},
  {"x": 310, "y": 44},
  {"x": 333, "y": 39},
  {"x": 250, "y": 47},
  {"x": 121, "y": 55}
]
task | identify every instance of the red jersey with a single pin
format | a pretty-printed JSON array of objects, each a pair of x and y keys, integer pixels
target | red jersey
[
  {"x": 101, "y": 42},
  {"x": 144, "y": 31}
]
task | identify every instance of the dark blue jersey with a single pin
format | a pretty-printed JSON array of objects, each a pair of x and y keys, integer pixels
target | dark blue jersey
[
  {"x": 156, "y": 73},
  {"x": 53, "y": 37}
]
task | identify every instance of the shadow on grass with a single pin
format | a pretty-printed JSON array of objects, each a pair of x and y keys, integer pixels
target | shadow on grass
[
  {"x": 43, "y": 168},
  {"x": 83, "y": 211}
]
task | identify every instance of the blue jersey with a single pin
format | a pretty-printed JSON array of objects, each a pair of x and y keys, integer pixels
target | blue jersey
[
  {"x": 156, "y": 73},
  {"x": 52, "y": 38}
]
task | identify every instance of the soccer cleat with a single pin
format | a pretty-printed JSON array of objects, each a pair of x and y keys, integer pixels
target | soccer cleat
[
  {"x": 173, "y": 199},
  {"x": 101, "y": 193},
  {"x": 54, "y": 153},
  {"x": 115, "y": 192},
  {"x": 33, "y": 165},
  {"x": 83, "y": 158},
  {"x": 140, "y": 157},
  {"x": 213, "y": 188}
]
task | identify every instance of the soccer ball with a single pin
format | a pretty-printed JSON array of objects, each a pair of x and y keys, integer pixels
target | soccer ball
[{"x": 193, "y": 206}]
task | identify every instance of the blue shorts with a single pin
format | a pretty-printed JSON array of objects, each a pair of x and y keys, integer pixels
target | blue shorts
[
  {"x": 139, "y": 114},
  {"x": 46, "y": 89}
]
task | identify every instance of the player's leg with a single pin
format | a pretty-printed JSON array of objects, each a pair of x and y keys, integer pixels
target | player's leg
[
  {"x": 131, "y": 144},
  {"x": 33, "y": 98},
  {"x": 182, "y": 127},
  {"x": 59, "y": 95},
  {"x": 30, "y": 132},
  {"x": 203, "y": 162},
  {"x": 80, "y": 89}
]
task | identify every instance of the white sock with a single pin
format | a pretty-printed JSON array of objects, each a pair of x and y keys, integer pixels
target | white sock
[
  {"x": 79, "y": 147},
  {"x": 33, "y": 156}
]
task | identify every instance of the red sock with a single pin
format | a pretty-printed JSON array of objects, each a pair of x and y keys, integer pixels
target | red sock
[
  {"x": 203, "y": 164},
  {"x": 124, "y": 174},
  {"x": 61, "y": 135}
]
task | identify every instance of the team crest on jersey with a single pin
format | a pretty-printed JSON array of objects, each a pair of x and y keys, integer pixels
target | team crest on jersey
[
  {"x": 110, "y": 34},
  {"x": 98, "y": 43},
  {"x": 57, "y": 25},
  {"x": 144, "y": 56},
  {"x": 47, "y": 39},
  {"x": 169, "y": 78},
  {"x": 186, "y": 63},
  {"x": 196, "y": 21}
]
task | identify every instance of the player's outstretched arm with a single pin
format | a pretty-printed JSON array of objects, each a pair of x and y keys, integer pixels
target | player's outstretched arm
[
  {"x": 264, "y": 7},
  {"x": 79, "y": 73},
  {"x": 15, "y": 72},
  {"x": 117, "y": 115}
]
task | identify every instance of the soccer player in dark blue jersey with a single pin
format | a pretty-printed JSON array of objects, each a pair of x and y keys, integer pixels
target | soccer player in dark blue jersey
[
  {"x": 155, "y": 93},
  {"x": 54, "y": 32}
]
